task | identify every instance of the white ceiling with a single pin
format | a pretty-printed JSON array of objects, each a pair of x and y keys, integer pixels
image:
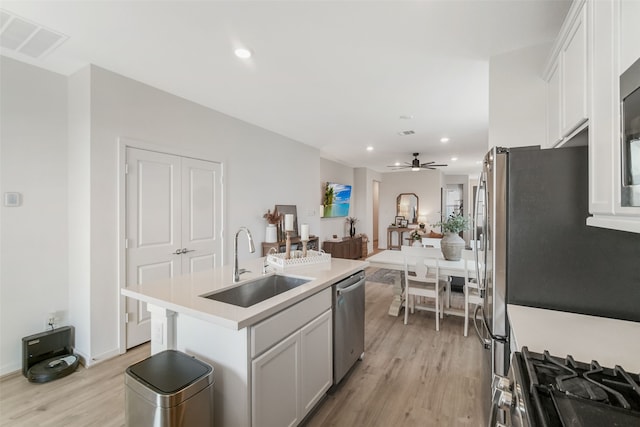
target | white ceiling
[{"x": 336, "y": 75}]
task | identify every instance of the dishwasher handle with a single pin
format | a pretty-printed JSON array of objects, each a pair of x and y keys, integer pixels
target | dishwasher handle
[{"x": 351, "y": 288}]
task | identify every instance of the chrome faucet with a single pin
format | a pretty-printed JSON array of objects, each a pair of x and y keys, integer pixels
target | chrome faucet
[
  {"x": 265, "y": 266},
  {"x": 252, "y": 249}
]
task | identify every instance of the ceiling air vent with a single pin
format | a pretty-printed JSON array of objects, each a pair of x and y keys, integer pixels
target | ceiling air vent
[
  {"x": 25, "y": 37},
  {"x": 406, "y": 132}
]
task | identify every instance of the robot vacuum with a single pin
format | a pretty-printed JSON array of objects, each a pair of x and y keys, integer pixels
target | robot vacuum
[{"x": 49, "y": 355}]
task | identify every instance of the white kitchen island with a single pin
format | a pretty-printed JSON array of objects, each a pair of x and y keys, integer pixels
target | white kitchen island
[{"x": 272, "y": 361}]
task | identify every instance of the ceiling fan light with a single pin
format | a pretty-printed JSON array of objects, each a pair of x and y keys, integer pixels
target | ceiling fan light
[{"x": 414, "y": 169}]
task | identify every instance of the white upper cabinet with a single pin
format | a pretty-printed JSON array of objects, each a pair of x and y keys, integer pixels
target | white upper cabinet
[
  {"x": 574, "y": 75},
  {"x": 567, "y": 78},
  {"x": 554, "y": 100},
  {"x": 612, "y": 32}
]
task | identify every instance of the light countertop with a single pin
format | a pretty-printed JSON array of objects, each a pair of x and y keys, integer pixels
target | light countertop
[
  {"x": 182, "y": 293},
  {"x": 609, "y": 341}
]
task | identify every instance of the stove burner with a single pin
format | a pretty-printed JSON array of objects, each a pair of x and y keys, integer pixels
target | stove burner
[{"x": 579, "y": 387}]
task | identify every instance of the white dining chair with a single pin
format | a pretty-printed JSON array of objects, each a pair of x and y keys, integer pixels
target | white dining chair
[
  {"x": 422, "y": 281},
  {"x": 431, "y": 242},
  {"x": 471, "y": 289}
]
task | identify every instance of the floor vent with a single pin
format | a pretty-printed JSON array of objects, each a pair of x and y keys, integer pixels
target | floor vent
[{"x": 25, "y": 37}]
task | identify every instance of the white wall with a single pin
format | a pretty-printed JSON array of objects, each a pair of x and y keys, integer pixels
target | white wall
[
  {"x": 261, "y": 169},
  {"x": 33, "y": 161},
  {"x": 517, "y": 98},
  {"x": 364, "y": 179},
  {"x": 426, "y": 185}
]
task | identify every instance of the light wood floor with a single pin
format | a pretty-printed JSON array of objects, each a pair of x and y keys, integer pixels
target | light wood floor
[{"x": 410, "y": 376}]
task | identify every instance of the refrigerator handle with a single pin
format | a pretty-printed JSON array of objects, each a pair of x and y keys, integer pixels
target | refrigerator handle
[
  {"x": 486, "y": 343},
  {"x": 498, "y": 338},
  {"x": 475, "y": 229}
]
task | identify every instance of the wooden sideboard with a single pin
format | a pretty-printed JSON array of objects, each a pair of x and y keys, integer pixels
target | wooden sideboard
[
  {"x": 295, "y": 244},
  {"x": 348, "y": 247}
]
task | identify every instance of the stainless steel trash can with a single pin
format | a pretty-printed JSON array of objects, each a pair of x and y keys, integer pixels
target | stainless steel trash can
[{"x": 169, "y": 388}]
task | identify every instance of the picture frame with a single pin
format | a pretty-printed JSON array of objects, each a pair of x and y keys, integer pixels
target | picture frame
[
  {"x": 398, "y": 220},
  {"x": 404, "y": 223},
  {"x": 288, "y": 209}
]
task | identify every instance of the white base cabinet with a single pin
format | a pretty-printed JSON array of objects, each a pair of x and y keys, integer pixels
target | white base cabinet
[
  {"x": 276, "y": 385},
  {"x": 290, "y": 378},
  {"x": 292, "y": 365}
]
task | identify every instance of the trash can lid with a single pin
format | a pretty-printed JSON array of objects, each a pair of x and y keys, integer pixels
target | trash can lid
[{"x": 169, "y": 371}]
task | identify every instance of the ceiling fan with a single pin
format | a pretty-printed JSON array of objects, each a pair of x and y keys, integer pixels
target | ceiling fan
[{"x": 415, "y": 165}]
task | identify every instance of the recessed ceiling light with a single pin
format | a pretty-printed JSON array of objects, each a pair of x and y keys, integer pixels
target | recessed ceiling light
[
  {"x": 453, "y": 159},
  {"x": 369, "y": 148},
  {"x": 444, "y": 139},
  {"x": 242, "y": 53},
  {"x": 396, "y": 164}
]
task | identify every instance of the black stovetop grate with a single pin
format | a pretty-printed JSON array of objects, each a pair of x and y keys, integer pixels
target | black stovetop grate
[{"x": 569, "y": 393}]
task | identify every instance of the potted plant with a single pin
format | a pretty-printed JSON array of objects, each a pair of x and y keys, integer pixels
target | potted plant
[
  {"x": 452, "y": 244},
  {"x": 273, "y": 218},
  {"x": 416, "y": 236},
  {"x": 352, "y": 225}
]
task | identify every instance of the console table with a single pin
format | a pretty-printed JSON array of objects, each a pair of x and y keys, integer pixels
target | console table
[
  {"x": 348, "y": 247},
  {"x": 295, "y": 244},
  {"x": 400, "y": 231}
]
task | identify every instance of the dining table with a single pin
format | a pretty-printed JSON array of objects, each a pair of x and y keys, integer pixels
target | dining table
[{"x": 394, "y": 260}]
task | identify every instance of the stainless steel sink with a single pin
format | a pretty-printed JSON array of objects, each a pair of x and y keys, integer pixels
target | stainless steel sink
[{"x": 255, "y": 291}]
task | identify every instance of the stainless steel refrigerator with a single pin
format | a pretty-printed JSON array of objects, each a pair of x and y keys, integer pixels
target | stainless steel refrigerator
[{"x": 531, "y": 208}]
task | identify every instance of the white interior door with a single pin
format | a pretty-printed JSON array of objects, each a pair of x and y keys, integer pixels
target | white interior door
[
  {"x": 201, "y": 215},
  {"x": 153, "y": 216},
  {"x": 173, "y": 216}
]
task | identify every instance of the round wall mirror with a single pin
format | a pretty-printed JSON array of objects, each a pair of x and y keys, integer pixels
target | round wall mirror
[{"x": 407, "y": 206}]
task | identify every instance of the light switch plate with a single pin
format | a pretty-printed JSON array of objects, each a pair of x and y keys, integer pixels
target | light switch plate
[{"x": 12, "y": 200}]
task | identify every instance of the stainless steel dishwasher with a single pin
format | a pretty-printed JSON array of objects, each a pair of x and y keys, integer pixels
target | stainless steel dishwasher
[{"x": 348, "y": 324}]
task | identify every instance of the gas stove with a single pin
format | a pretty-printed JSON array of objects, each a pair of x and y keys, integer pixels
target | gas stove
[{"x": 548, "y": 391}]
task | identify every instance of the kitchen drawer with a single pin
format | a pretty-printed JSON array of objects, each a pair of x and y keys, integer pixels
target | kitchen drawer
[{"x": 272, "y": 330}]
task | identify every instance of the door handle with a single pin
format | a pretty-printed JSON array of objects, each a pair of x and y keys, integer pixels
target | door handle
[{"x": 182, "y": 251}]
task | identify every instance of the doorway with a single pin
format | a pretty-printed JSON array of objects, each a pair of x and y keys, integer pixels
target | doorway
[
  {"x": 173, "y": 224},
  {"x": 376, "y": 216}
]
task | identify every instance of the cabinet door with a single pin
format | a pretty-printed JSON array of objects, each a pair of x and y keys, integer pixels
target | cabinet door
[
  {"x": 317, "y": 361},
  {"x": 553, "y": 107},
  {"x": 276, "y": 384},
  {"x": 574, "y": 76}
]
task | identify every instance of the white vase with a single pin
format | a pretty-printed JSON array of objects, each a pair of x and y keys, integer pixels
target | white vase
[
  {"x": 417, "y": 243},
  {"x": 452, "y": 246},
  {"x": 271, "y": 234}
]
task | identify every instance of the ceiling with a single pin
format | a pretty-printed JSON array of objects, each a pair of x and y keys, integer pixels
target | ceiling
[{"x": 336, "y": 75}]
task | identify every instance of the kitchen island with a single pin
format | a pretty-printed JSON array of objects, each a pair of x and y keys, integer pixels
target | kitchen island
[{"x": 273, "y": 360}]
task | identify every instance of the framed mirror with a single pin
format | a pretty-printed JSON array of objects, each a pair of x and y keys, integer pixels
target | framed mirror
[{"x": 407, "y": 206}]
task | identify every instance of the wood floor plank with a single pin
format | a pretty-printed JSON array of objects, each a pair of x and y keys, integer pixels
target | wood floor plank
[{"x": 410, "y": 376}]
